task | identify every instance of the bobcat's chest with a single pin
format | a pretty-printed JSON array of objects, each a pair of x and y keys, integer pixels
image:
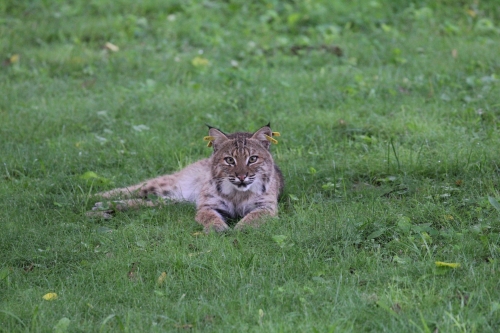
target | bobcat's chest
[
  {"x": 235, "y": 203},
  {"x": 236, "y": 209}
]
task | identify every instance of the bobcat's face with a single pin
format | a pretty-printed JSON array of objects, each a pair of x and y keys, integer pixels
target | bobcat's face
[
  {"x": 241, "y": 162},
  {"x": 241, "y": 168}
]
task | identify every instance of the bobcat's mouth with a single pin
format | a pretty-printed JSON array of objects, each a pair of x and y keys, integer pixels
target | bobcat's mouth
[
  {"x": 242, "y": 185},
  {"x": 230, "y": 185}
]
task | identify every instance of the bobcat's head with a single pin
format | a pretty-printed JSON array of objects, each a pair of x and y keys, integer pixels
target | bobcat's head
[{"x": 242, "y": 161}]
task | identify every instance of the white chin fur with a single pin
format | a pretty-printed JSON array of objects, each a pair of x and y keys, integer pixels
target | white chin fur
[
  {"x": 228, "y": 187},
  {"x": 242, "y": 188}
]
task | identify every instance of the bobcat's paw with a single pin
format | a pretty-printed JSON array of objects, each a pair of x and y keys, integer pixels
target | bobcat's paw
[
  {"x": 218, "y": 227},
  {"x": 245, "y": 225},
  {"x": 101, "y": 210},
  {"x": 98, "y": 206},
  {"x": 113, "y": 206},
  {"x": 101, "y": 214}
]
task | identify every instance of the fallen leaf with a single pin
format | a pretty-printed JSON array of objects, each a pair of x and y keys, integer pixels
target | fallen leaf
[
  {"x": 50, "y": 296},
  {"x": 132, "y": 276},
  {"x": 200, "y": 62},
  {"x": 454, "y": 53},
  {"x": 161, "y": 278},
  {"x": 111, "y": 47},
  {"x": 198, "y": 233},
  {"x": 14, "y": 59},
  {"x": 447, "y": 264},
  {"x": 184, "y": 326},
  {"x": 471, "y": 13}
]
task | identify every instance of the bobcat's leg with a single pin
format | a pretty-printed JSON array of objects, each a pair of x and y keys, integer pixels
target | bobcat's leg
[
  {"x": 121, "y": 205},
  {"x": 167, "y": 187},
  {"x": 256, "y": 217},
  {"x": 211, "y": 220},
  {"x": 157, "y": 186},
  {"x": 184, "y": 185},
  {"x": 125, "y": 192},
  {"x": 106, "y": 210},
  {"x": 163, "y": 187}
]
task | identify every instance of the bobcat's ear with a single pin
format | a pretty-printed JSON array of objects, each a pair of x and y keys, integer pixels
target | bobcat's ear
[
  {"x": 265, "y": 136},
  {"x": 215, "y": 138}
]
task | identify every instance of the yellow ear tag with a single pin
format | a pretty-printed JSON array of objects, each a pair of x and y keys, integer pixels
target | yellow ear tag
[
  {"x": 270, "y": 139},
  {"x": 209, "y": 139},
  {"x": 276, "y": 134}
]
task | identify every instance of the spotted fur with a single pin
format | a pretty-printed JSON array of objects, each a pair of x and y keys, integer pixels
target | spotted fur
[{"x": 239, "y": 181}]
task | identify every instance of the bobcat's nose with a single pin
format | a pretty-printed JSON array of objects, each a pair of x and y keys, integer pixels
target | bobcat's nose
[{"x": 241, "y": 177}]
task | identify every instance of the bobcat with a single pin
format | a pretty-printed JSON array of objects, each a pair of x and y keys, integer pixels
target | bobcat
[{"x": 239, "y": 180}]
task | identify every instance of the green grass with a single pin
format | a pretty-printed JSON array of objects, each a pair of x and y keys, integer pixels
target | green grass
[{"x": 390, "y": 153}]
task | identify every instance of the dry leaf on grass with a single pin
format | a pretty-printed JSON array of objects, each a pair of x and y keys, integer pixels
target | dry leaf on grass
[
  {"x": 111, "y": 47},
  {"x": 161, "y": 278},
  {"x": 184, "y": 326},
  {"x": 50, "y": 296},
  {"x": 447, "y": 264},
  {"x": 132, "y": 274}
]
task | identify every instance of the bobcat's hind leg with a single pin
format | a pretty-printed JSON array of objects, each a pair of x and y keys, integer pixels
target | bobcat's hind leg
[
  {"x": 121, "y": 205},
  {"x": 164, "y": 187},
  {"x": 135, "y": 191}
]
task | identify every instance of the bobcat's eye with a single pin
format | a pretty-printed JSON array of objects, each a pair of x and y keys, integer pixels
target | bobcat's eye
[
  {"x": 252, "y": 159},
  {"x": 229, "y": 160}
]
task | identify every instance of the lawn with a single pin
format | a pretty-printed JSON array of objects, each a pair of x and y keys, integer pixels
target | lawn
[{"x": 388, "y": 113}]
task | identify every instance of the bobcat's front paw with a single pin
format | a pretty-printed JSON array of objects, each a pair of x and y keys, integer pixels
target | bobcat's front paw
[
  {"x": 244, "y": 226},
  {"x": 254, "y": 219},
  {"x": 217, "y": 227},
  {"x": 211, "y": 221}
]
